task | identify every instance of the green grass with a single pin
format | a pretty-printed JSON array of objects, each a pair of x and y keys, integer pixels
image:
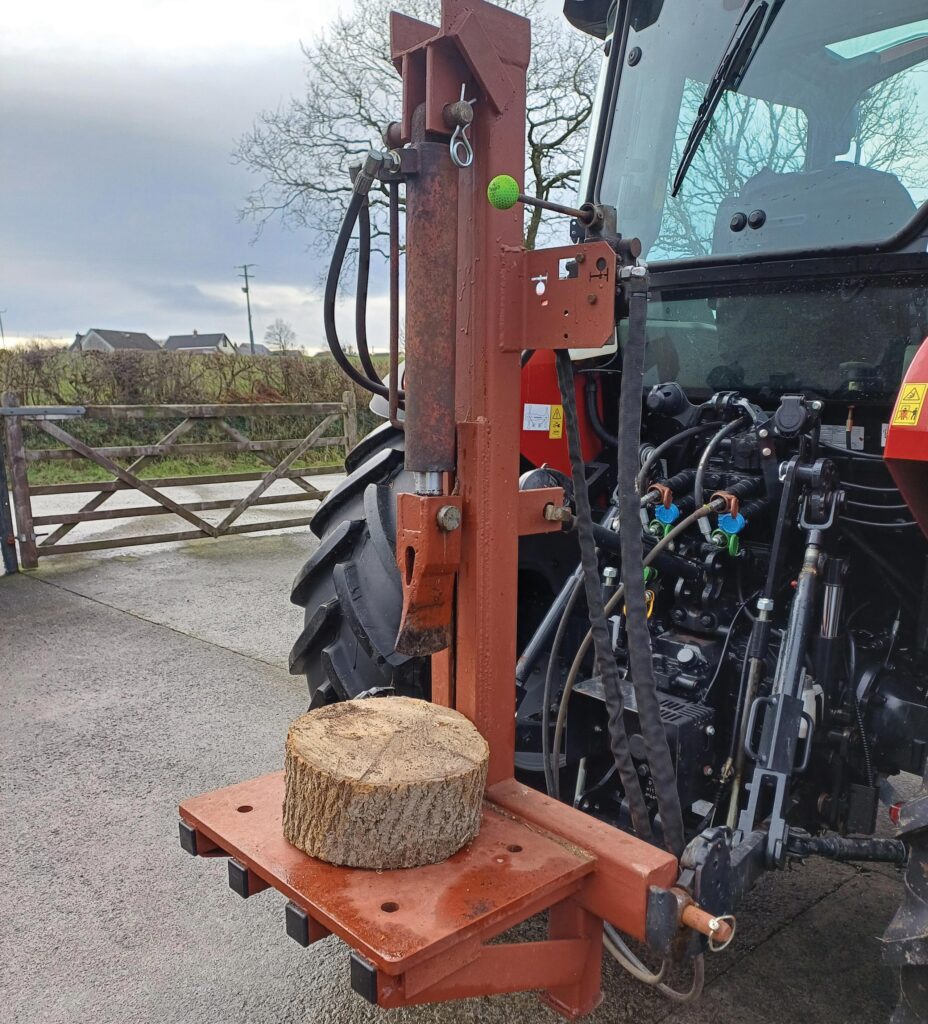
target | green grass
[{"x": 77, "y": 470}]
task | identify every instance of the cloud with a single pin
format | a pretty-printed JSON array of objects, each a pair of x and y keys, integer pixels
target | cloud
[{"x": 120, "y": 197}]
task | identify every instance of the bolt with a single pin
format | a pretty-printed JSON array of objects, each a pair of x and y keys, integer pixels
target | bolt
[
  {"x": 763, "y": 432},
  {"x": 710, "y": 730},
  {"x": 707, "y": 769},
  {"x": 557, "y": 513},
  {"x": 448, "y": 517},
  {"x": 580, "y": 257},
  {"x": 705, "y": 620},
  {"x": 678, "y": 615},
  {"x": 766, "y": 452},
  {"x": 591, "y": 300},
  {"x": 643, "y": 771}
]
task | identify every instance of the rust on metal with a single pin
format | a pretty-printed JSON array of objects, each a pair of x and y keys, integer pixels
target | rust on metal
[
  {"x": 431, "y": 300},
  {"x": 428, "y": 557},
  {"x": 556, "y": 301},
  {"x": 532, "y": 506},
  {"x": 626, "y": 867},
  {"x": 716, "y": 928},
  {"x": 478, "y": 893}
]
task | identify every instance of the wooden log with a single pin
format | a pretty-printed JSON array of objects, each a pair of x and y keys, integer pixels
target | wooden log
[{"x": 387, "y": 782}]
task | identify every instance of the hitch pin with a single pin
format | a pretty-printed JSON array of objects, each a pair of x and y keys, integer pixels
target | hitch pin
[{"x": 459, "y": 116}]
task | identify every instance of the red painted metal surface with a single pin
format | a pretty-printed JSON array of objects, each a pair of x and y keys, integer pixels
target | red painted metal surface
[
  {"x": 428, "y": 558},
  {"x": 906, "y": 450},
  {"x": 626, "y": 868},
  {"x": 559, "y": 298},
  {"x": 482, "y": 890},
  {"x": 549, "y": 447},
  {"x": 532, "y": 505}
]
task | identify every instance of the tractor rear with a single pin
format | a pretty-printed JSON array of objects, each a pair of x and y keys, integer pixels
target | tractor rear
[{"x": 650, "y": 508}]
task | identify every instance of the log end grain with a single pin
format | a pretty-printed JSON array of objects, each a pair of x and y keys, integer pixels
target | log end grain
[{"x": 389, "y": 782}]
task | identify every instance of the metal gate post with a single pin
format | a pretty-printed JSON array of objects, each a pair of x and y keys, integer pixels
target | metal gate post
[
  {"x": 7, "y": 536},
  {"x": 22, "y": 504}
]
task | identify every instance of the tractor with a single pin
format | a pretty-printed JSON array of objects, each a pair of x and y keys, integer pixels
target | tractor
[{"x": 688, "y": 445}]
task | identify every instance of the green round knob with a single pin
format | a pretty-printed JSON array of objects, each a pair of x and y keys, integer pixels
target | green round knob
[{"x": 503, "y": 192}]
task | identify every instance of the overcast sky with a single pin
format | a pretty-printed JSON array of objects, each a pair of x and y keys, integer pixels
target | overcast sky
[{"x": 119, "y": 200}]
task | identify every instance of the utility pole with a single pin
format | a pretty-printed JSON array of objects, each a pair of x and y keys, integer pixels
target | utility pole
[
  {"x": 244, "y": 274},
  {"x": 2, "y": 335}
]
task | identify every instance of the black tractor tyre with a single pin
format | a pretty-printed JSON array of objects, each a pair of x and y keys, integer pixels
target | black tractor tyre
[
  {"x": 350, "y": 586},
  {"x": 905, "y": 941}
]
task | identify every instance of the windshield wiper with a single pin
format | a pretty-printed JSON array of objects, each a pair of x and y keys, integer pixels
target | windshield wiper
[{"x": 745, "y": 41}]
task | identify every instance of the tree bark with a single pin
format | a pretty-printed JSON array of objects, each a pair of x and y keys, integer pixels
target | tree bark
[{"x": 381, "y": 783}]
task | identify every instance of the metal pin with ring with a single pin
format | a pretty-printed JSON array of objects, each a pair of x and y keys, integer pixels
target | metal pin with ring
[
  {"x": 459, "y": 116},
  {"x": 715, "y": 926}
]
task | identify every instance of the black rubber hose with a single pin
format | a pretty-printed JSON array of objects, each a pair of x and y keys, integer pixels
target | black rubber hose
[
  {"x": 331, "y": 293},
  {"x": 552, "y": 769},
  {"x": 638, "y": 636},
  {"x": 360, "y": 298},
  {"x": 592, "y": 413},
  {"x": 658, "y": 452},
  {"x": 602, "y": 644}
]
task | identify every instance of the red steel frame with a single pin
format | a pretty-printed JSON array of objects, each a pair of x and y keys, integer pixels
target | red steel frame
[{"x": 422, "y": 933}]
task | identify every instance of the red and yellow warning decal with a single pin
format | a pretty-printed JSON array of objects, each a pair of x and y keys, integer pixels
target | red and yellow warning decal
[{"x": 909, "y": 405}]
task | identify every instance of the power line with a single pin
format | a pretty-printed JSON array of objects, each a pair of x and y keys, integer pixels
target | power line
[{"x": 244, "y": 267}]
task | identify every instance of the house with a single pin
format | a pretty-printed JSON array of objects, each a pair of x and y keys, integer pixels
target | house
[
  {"x": 216, "y": 344},
  {"x": 260, "y": 350},
  {"x": 98, "y": 340}
]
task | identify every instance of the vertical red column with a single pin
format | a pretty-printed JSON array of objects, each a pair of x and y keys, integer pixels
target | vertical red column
[{"x": 487, "y": 380}]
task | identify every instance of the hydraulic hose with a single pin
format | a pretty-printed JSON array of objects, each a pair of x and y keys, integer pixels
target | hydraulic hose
[
  {"x": 360, "y": 300},
  {"x": 599, "y": 629},
  {"x": 618, "y": 948},
  {"x": 658, "y": 453},
  {"x": 552, "y": 767},
  {"x": 331, "y": 292},
  {"x": 703, "y": 464},
  {"x": 592, "y": 413},
  {"x": 641, "y": 667},
  {"x": 611, "y": 604}
]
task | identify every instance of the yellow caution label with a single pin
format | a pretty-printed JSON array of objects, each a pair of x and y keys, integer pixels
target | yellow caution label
[
  {"x": 909, "y": 405},
  {"x": 556, "y": 424}
]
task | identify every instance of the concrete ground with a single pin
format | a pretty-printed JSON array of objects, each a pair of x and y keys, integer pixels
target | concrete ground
[{"x": 131, "y": 680}]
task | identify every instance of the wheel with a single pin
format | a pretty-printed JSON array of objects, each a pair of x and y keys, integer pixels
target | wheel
[
  {"x": 905, "y": 941},
  {"x": 350, "y": 586}
]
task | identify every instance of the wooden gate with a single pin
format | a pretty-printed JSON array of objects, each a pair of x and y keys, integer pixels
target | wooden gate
[{"x": 280, "y": 455}]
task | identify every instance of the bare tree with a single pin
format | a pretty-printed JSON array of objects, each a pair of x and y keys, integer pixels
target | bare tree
[
  {"x": 300, "y": 152},
  {"x": 280, "y": 335}
]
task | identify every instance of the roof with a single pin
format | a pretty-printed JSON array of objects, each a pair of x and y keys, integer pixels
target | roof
[
  {"x": 176, "y": 341},
  {"x": 125, "y": 339},
  {"x": 260, "y": 350}
]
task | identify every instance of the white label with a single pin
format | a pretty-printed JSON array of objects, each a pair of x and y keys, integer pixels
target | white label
[
  {"x": 837, "y": 436},
  {"x": 536, "y": 417},
  {"x": 884, "y": 430}
]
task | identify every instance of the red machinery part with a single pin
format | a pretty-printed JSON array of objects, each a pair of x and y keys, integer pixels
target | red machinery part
[
  {"x": 543, "y": 441},
  {"x": 906, "y": 451}
]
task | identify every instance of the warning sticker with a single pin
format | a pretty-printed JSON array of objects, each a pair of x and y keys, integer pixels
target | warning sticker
[
  {"x": 536, "y": 417},
  {"x": 909, "y": 405},
  {"x": 556, "y": 430}
]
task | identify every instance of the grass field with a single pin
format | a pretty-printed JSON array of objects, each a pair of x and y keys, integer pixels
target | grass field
[{"x": 42, "y": 473}]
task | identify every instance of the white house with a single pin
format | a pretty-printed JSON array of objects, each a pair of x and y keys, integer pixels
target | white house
[{"x": 97, "y": 340}]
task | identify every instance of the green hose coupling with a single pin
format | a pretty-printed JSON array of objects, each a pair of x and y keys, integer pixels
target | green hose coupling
[{"x": 503, "y": 192}]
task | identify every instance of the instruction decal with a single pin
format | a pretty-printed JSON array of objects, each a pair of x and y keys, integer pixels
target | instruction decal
[
  {"x": 909, "y": 405},
  {"x": 536, "y": 417},
  {"x": 556, "y": 430}
]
